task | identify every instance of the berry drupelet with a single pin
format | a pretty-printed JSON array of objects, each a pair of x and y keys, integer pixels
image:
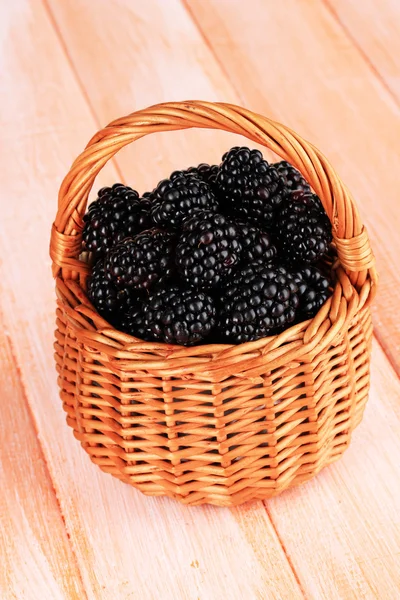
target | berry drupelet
[
  {"x": 207, "y": 173},
  {"x": 292, "y": 178},
  {"x": 178, "y": 198},
  {"x": 258, "y": 301},
  {"x": 117, "y": 212},
  {"x": 142, "y": 261},
  {"x": 176, "y": 315},
  {"x": 313, "y": 291},
  {"x": 208, "y": 250},
  {"x": 110, "y": 301},
  {"x": 303, "y": 230},
  {"x": 249, "y": 187},
  {"x": 256, "y": 244}
]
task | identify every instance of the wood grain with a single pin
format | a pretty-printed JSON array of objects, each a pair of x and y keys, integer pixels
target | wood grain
[
  {"x": 128, "y": 546},
  {"x": 374, "y": 26},
  {"x": 36, "y": 557},
  {"x": 297, "y": 65}
]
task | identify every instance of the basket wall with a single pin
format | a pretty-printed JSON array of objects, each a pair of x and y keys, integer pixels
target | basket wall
[{"x": 264, "y": 427}]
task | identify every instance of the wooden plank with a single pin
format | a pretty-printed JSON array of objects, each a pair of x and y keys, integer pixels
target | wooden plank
[
  {"x": 374, "y": 26},
  {"x": 297, "y": 65},
  {"x": 128, "y": 546},
  {"x": 342, "y": 530},
  {"x": 36, "y": 556}
]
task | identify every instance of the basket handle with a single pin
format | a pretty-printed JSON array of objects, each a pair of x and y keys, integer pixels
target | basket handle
[{"x": 350, "y": 236}]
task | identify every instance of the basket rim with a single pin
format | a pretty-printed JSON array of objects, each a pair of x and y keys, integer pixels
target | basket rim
[{"x": 302, "y": 342}]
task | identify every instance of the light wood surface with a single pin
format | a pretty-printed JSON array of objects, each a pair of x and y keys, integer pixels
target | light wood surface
[
  {"x": 374, "y": 28},
  {"x": 36, "y": 555},
  {"x": 68, "y": 530}
]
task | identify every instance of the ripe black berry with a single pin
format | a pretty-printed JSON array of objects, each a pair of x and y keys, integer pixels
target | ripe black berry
[
  {"x": 256, "y": 244},
  {"x": 179, "y": 316},
  {"x": 303, "y": 230},
  {"x": 249, "y": 187},
  {"x": 133, "y": 321},
  {"x": 258, "y": 301},
  {"x": 292, "y": 178},
  {"x": 178, "y": 198},
  {"x": 208, "y": 250},
  {"x": 110, "y": 301},
  {"x": 118, "y": 212},
  {"x": 142, "y": 261},
  {"x": 207, "y": 173},
  {"x": 313, "y": 291}
]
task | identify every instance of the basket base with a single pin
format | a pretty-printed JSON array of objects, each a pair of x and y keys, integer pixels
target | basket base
[{"x": 218, "y": 495}]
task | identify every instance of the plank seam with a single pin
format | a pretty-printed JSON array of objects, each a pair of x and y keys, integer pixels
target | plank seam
[
  {"x": 208, "y": 44},
  {"x": 75, "y": 74},
  {"x": 375, "y": 72},
  {"x": 31, "y": 414},
  {"x": 386, "y": 351},
  {"x": 283, "y": 545},
  {"x": 379, "y": 77}
]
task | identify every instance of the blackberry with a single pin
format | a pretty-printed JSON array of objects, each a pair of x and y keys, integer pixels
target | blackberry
[
  {"x": 110, "y": 301},
  {"x": 249, "y": 187},
  {"x": 258, "y": 301},
  {"x": 313, "y": 291},
  {"x": 117, "y": 212},
  {"x": 311, "y": 199},
  {"x": 292, "y": 178},
  {"x": 138, "y": 219},
  {"x": 207, "y": 173},
  {"x": 179, "y": 316},
  {"x": 133, "y": 322},
  {"x": 147, "y": 203},
  {"x": 256, "y": 244},
  {"x": 177, "y": 198},
  {"x": 148, "y": 197},
  {"x": 142, "y": 261},
  {"x": 303, "y": 229},
  {"x": 208, "y": 250}
]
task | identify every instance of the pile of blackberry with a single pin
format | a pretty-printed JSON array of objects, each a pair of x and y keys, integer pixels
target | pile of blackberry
[{"x": 225, "y": 253}]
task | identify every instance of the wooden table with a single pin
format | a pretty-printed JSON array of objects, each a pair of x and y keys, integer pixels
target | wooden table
[{"x": 330, "y": 70}]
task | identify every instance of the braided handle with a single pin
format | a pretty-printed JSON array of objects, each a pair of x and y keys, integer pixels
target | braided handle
[{"x": 350, "y": 236}]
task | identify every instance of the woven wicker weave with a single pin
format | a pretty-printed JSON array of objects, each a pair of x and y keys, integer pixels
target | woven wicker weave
[{"x": 220, "y": 424}]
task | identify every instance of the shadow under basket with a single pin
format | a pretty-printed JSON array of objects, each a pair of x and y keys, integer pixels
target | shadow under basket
[{"x": 218, "y": 424}]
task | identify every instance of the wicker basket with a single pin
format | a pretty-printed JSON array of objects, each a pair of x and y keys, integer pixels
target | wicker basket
[{"x": 217, "y": 424}]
